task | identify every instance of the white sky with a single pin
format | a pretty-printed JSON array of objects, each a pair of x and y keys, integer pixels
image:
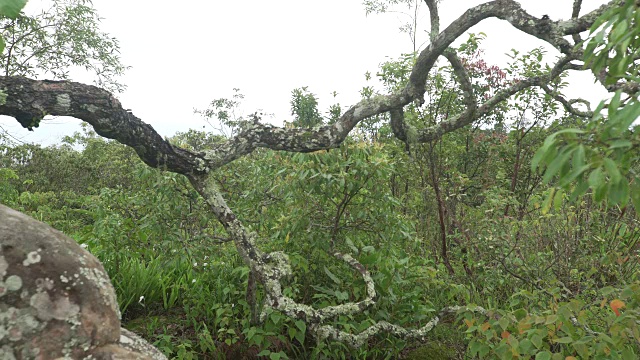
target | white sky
[{"x": 185, "y": 54}]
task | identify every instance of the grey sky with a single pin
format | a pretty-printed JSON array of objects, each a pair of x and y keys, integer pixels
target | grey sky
[{"x": 184, "y": 54}]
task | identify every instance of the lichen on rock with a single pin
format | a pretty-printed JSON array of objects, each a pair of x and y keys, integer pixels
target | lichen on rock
[{"x": 56, "y": 300}]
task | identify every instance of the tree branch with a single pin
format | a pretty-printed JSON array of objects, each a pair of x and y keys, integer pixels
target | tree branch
[
  {"x": 28, "y": 101},
  {"x": 575, "y": 13},
  {"x": 357, "y": 340},
  {"x": 467, "y": 117}
]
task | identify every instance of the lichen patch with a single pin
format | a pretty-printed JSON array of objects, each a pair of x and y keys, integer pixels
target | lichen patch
[
  {"x": 59, "y": 309},
  {"x": 3, "y": 266},
  {"x": 32, "y": 258},
  {"x": 63, "y": 101}
]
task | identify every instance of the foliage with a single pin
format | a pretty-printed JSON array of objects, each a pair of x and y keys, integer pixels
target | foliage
[
  {"x": 304, "y": 106},
  {"x": 226, "y": 114},
  {"x": 60, "y": 38},
  {"x": 462, "y": 219},
  {"x": 601, "y": 155},
  {"x": 10, "y": 9}
]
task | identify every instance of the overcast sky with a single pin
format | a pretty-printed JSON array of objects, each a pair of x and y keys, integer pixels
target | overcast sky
[{"x": 185, "y": 54}]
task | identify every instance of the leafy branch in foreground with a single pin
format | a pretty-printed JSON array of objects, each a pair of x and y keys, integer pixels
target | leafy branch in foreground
[{"x": 603, "y": 154}]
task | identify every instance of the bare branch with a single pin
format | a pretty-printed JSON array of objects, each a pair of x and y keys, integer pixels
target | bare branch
[
  {"x": 577, "y": 5},
  {"x": 463, "y": 78},
  {"x": 357, "y": 340},
  {"x": 434, "y": 18},
  {"x": 628, "y": 87},
  {"x": 467, "y": 116},
  {"x": 28, "y": 101},
  {"x": 567, "y": 104},
  {"x": 583, "y": 23}
]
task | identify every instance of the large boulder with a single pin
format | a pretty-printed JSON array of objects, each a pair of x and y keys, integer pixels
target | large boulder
[{"x": 56, "y": 300}]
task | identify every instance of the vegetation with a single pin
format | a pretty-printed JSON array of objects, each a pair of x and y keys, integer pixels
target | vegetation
[{"x": 460, "y": 229}]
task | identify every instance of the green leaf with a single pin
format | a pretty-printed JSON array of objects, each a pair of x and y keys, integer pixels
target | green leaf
[
  {"x": 619, "y": 192},
  {"x": 564, "y": 340},
  {"x": 537, "y": 341},
  {"x": 628, "y": 115},
  {"x": 332, "y": 276},
  {"x": 621, "y": 143},
  {"x": 568, "y": 131},
  {"x": 504, "y": 323},
  {"x": 525, "y": 346},
  {"x": 635, "y": 195},
  {"x": 11, "y": 8},
  {"x": 597, "y": 114},
  {"x": 557, "y": 199},
  {"x": 547, "y": 202},
  {"x": 628, "y": 354},
  {"x": 556, "y": 165},
  {"x": 301, "y": 325},
  {"x": 596, "y": 178},
  {"x": 567, "y": 179},
  {"x": 475, "y": 347},
  {"x": 543, "y": 355},
  {"x": 578, "y": 157},
  {"x": 535, "y": 161},
  {"x": 581, "y": 187},
  {"x": 600, "y": 192},
  {"x": 368, "y": 249},
  {"x": 614, "y": 104},
  {"x": 612, "y": 170}
]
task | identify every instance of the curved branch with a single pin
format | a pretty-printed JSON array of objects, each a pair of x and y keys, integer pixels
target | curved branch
[
  {"x": 567, "y": 104},
  {"x": 464, "y": 79},
  {"x": 434, "y": 18},
  {"x": 509, "y": 10},
  {"x": 575, "y": 13},
  {"x": 29, "y": 101},
  {"x": 467, "y": 116},
  {"x": 584, "y": 22},
  {"x": 357, "y": 340},
  {"x": 288, "y": 306},
  {"x": 106, "y": 115}
]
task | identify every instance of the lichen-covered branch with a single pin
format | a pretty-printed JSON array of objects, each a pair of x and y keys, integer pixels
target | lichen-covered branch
[
  {"x": 464, "y": 79},
  {"x": 552, "y": 32},
  {"x": 575, "y": 13},
  {"x": 434, "y": 18},
  {"x": 584, "y": 22},
  {"x": 28, "y": 101},
  {"x": 568, "y": 104},
  {"x": 467, "y": 117},
  {"x": 357, "y": 340}
]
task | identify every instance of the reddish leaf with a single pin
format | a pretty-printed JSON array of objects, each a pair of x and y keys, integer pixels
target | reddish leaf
[{"x": 616, "y": 305}]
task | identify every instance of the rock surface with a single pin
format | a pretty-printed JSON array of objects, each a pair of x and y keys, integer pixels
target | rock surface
[{"x": 56, "y": 300}]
